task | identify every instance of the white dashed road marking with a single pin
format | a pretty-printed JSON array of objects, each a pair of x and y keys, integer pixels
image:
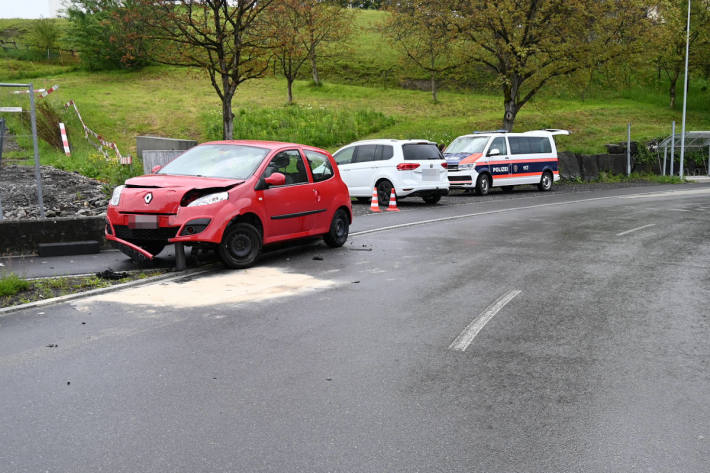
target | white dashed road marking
[
  {"x": 465, "y": 338},
  {"x": 636, "y": 229}
]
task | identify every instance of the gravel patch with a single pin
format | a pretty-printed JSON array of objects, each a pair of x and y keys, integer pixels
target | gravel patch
[{"x": 65, "y": 194}]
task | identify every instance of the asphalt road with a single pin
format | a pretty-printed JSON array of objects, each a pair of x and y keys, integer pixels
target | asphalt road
[{"x": 531, "y": 332}]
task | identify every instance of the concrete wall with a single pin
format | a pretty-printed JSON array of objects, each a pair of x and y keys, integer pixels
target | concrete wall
[
  {"x": 588, "y": 167},
  {"x": 23, "y": 236},
  {"x": 152, "y": 158},
  {"x": 157, "y": 143}
]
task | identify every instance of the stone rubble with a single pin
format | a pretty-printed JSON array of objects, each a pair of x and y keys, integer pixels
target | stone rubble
[{"x": 66, "y": 194}]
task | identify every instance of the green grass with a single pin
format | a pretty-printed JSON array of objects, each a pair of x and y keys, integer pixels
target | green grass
[
  {"x": 11, "y": 284},
  {"x": 317, "y": 126}
]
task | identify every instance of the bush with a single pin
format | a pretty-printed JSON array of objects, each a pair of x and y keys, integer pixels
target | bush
[
  {"x": 322, "y": 127},
  {"x": 47, "y": 123},
  {"x": 11, "y": 284}
]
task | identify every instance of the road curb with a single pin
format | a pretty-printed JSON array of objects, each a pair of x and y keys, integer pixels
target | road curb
[{"x": 102, "y": 290}]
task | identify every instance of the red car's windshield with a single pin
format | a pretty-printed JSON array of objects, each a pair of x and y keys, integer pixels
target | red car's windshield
[{"x": 218, "y": 160}]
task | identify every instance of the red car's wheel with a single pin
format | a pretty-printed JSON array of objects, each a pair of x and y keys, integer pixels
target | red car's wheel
[
  {"x": 339, "y": 229},
  {"x": 240, "y": 246}
]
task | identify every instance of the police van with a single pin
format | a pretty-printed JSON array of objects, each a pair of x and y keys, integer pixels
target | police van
[{"x": 483, "y": 160}]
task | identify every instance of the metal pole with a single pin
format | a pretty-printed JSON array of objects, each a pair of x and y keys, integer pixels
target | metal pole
[
  {"x": 628, "y": 149},
  {"x": 665, "y": 156},
  {"x": 673, "y": 148},
  {"x": 685, "y": 93},
  {"x": 38, "y": 174},
  {"x": 708, "y": 160},
  {"x": 2, "y": 134}
]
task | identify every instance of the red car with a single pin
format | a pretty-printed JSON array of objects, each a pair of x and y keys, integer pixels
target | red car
[{"x": 235, "y": 195}]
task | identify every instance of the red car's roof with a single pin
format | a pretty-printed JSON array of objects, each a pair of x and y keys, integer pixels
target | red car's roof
[{"x": 272, "y": 145}]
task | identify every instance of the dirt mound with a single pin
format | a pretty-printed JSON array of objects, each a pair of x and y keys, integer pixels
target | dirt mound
[{"x": 66, "y": 194}]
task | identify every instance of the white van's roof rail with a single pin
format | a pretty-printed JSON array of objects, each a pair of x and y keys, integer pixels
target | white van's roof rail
[{"x": 552, "y": 131}]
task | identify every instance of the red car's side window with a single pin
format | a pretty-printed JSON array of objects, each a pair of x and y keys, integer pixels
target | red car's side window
[
  {"x": 290, "y": 164},
  {"x": 321, "y": 170}
]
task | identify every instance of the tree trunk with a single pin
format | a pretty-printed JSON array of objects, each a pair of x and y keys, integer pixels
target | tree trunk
[
  {"x": 290, "y": 90},
  {"x": 434, "y": 90},
  {"x": 672, "y": 87},
  {"x": 227, "y": 118},
  {"x": 314, "y": 67},
  {"x": 511, "y": 110}
]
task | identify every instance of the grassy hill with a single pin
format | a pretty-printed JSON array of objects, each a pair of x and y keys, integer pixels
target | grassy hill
[{"x": 360, "y": 87}]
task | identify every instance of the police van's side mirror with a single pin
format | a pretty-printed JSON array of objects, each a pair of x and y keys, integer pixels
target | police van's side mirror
[{"x": 494, "y": 152}]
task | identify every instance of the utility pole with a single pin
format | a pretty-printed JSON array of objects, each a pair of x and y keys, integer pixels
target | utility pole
[{"x": 685, "y": 93}]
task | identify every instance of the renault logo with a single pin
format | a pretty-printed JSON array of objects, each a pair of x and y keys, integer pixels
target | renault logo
[{"x": 148, "y": 197}]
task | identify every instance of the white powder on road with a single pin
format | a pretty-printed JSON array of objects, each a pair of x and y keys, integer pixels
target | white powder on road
[{"x": 231, "y": 287}]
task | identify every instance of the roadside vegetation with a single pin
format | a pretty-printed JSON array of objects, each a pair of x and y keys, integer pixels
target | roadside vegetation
[
  {"x": 14, "y": 290},
  {"x": 368, "y": 88}
]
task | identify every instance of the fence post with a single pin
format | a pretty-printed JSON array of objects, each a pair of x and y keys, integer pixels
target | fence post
[
  {"x": 665, "y": 155},
  {"x": 628, "y": 149},
  {"x": 38, "y": 174},
  {"x": 2, "y": 134},
  {"x": 2, "y": 137},
  {"x": 672, "y": 148}
]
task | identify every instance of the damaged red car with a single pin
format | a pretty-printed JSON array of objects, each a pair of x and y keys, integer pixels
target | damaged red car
[{"x": 235, "y": 196}]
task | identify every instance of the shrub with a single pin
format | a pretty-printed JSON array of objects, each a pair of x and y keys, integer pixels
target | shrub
[
  {"x": 322, "y": 127},
  {"x": 47, "y": 123},
  {"x": 11, "y": 284}
]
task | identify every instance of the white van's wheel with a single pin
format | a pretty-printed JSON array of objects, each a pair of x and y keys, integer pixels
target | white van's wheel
[
  {"x": 483, "y": 184},
  {"x": 545, "y": 181}
]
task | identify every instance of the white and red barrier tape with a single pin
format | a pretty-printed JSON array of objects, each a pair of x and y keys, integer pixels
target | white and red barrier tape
[
  {"x": 65, "y": 140},
  {"x": 49, "y": 91},
  {"x": 102, "y": 142},
  {"x": 43, "y": 92}
]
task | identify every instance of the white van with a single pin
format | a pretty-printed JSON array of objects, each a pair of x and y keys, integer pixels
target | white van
[
  {"x": 483, "y": 160},
  {"x": 414, "y": 168}
]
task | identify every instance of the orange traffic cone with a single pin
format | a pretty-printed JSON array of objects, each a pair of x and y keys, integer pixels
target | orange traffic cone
[
  {"x": 375, "y": 204},
  {"x": 393, "y": 202}
]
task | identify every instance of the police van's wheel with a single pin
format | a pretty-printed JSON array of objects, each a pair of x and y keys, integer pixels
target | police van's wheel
[
  {"x": 240, "y": 246},
  {"x": 483, "y": 184},
  {"x": 545, "y": 181}
]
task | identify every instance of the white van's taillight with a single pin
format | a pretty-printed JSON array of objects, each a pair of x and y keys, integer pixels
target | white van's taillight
[
  {"x": 407, "y": 166},
  {"x": 444, "y": 165}
]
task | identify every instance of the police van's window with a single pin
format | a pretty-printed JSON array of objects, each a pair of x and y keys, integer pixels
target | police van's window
[
  {"x": 384, "y": 152},
  {"x": 344, "y": 156},
  {"x": 365, "y": 153},
  {"x": 499, "y": 144},
  {"x": 468, "y": 144},
  {"x": 420, "y": 152},
  {"x": 529, "y": 144}
]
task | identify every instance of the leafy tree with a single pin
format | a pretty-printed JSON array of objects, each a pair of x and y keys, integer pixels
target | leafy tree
[
  {"x": 108, "y": 33},
  {"x": 284, "y": 32},
  {"x": 425, "y": 33},
  {"x": 526, "y": 43},
  {"x": 293, "y": 30},
  {"x": 44, "y": 34},
  {"x": 215, "y": 35},
  {"x": 364, "y": 4},
  {"x": 325, "y": 23},
  {"x": 672, "y": 38}
]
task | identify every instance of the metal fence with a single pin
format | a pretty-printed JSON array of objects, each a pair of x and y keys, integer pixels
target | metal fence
[{"x": 33, "y": 121}]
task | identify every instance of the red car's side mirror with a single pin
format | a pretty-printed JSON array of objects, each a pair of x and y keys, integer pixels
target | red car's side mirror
[
  {"x": 276, "y": 179},
  {"x": 156, "y": 169}
]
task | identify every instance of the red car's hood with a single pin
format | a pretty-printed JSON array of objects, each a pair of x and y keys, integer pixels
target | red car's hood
[
  {"x": 166, "y": 192},
  {"x": 186, "y": 182}
]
